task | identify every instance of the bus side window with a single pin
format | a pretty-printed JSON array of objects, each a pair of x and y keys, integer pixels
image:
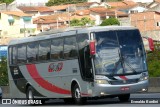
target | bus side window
[
  {"x": 14, "y": 55},
  {"x": 21, "y": 53},
  {"x": 57, "y": 49},
  {"x": 44, "y": 50},
  {"x": 32, "y": 52},
  {"x": 70, "y": 47}
]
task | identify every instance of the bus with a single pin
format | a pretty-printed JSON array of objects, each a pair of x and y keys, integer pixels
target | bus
[{"x": 78, "y": 64}]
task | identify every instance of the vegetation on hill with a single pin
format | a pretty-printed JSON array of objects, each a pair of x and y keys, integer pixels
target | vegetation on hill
[
  {"x": 153, "y": 60},
  {"x": 110, "y": 21},
  {"x": 6, "y": 1},
  {"x": 83, "y": 22},
  {"x": 61, "y": 2},
  {"x": 3, "y": 72}
]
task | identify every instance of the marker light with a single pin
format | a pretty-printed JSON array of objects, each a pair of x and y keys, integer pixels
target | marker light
[{"x": 92, "y": 48}]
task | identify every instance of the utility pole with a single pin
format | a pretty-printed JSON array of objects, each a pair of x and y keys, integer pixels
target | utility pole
[
  {"x": 24, "y": 30},
  {"x": 68, "y": 17}
]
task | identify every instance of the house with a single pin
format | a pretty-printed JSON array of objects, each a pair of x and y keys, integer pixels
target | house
[
  {"x": 141, "y": 1},
  {"x": 60, "y": 20},
  {"x": 51, "y": 21},
  {"x": 86, "y": 5},
  {"x": 148, "y": 23},
  {"x": 154, "y": 6},
  {"x": 16, "y": 24},
  {"x": 101, "y": 13},
  {"x": 63, "y": 8},
  {"x": 98, "y": 1},
  {"x": 121, "y": 4},
  {"x": 31, "y": 2},
  {"x": 37, "y": 11}
]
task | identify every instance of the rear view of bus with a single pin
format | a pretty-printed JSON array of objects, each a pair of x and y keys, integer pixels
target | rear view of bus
[{"x": 119, "y": 62}]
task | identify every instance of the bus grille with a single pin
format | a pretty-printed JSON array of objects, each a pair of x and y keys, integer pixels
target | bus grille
[{"x": 119, "y": 82}]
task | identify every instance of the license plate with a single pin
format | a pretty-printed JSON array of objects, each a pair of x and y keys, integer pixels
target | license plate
[{"x": 124, "y": 88}]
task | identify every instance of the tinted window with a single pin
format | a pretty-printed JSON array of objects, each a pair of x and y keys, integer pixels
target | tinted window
[
  {"x": 21, "y": 53},
  {"x": 44, "y": 50},
  {"x": 14, "y": 55},
  {"x": 32, "y": 52},
  {"x": 82, "y": 40},
  {"x": 84, "y": 54},
  {"x": 70, "y": 47},
  {"x": 57, "y": 49}
]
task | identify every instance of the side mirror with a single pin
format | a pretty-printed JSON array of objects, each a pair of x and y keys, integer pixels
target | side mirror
[{"x": 151, "y": 44}]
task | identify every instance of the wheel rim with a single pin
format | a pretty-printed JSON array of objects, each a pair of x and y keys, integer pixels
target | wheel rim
[
  {"x": 77, "y": 93},
  {"x": 30, "y": 94}
]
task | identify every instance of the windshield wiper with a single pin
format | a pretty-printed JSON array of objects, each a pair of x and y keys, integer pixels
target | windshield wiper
[{"x": 122, "y": 60}]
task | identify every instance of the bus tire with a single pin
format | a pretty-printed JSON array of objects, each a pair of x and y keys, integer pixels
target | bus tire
[
  {"x": 124, "y": 97},
  {"x": 76, "y": 95},
  {"x": 29, "y": 93}
]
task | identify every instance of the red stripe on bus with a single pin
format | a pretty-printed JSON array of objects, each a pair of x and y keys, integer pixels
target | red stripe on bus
[
  {"x": 123, "y": 77},
  {"x": 44, "y": 83}
]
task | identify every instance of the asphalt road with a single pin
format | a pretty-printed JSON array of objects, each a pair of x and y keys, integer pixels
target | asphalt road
[{"x": 152, "y": 99}]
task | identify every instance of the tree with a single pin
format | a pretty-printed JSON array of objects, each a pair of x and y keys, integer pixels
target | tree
[
  {"x": 110, "y": 21},
  {"x": 6, "y": 1},
  {"x": 3, "y": 72},
  {"x": 60, "y": 2},
  {"x": 83, "y": 22}
]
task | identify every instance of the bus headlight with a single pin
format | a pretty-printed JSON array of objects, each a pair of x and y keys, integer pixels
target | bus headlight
[
  {"x": 143, "y": 77},
  {"x": 101, "y": 81}
]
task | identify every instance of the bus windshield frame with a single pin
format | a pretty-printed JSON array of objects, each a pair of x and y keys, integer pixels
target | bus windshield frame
[{"x": 119, "y": 52}]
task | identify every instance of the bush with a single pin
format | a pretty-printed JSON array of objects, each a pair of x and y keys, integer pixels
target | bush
[
  {"x": 153, "y": 60},
  {"x": 3, "y": 72},
  {"x": 110, "y": 21}
]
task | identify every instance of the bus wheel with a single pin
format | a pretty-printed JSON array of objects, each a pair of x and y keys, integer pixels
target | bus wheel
[
  {"x": 124, "y": 97},
  {"x": 76, "y": 94},
  {"x": 29, "y": 93}
]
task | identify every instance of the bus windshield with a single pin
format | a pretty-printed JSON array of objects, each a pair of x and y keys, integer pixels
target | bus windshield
[{"x": 119, "y": 52}]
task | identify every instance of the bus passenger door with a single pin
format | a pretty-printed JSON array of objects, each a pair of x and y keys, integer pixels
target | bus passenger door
[{"x": 88, "y": 64}]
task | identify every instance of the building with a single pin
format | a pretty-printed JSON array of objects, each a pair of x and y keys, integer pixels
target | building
[
  {"x": 141, "y": 1},
  {"x": 99, "y": 1},
  {"x": 15, "y": 24},
  {"x": 31, "y": 2},
  {"x": 101, "y": 13},
  {"x": 148, "y": 23},
  {"x": 36, "y": 11},
  {"x": 154, "y": 6}
]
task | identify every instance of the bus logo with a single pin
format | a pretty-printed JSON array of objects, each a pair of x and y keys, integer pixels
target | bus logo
[{"x": 55, "y": 67}]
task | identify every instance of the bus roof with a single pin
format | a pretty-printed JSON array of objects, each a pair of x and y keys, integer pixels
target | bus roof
[{"x": 53, "y": 33}]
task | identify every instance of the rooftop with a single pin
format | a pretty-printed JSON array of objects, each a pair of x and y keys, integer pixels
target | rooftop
[{"x": 16, "y": 13}]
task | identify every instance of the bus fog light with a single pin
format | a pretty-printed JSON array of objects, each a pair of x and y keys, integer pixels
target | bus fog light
[
  {"x": 144, "y": 89},
  {"x": 102, "y": 93},
  {"x": 101, "y": 82}
]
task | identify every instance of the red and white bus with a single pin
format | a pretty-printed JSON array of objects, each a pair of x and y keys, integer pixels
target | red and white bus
[{"x": 78, "y": 64}]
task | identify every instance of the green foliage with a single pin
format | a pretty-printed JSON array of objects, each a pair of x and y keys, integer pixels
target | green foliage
[
  {"x": 60, "y": 2},
  {"x": 153, "y": 60},
  {"x": 110, "y": 21},
  {"x": 6, "y": 1},
  {"x": 83, "y": 22},
  {"x": 3, "y": 72}
]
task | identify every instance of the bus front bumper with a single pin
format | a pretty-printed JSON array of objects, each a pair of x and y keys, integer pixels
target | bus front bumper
[{"x": 108, "y": 89}]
